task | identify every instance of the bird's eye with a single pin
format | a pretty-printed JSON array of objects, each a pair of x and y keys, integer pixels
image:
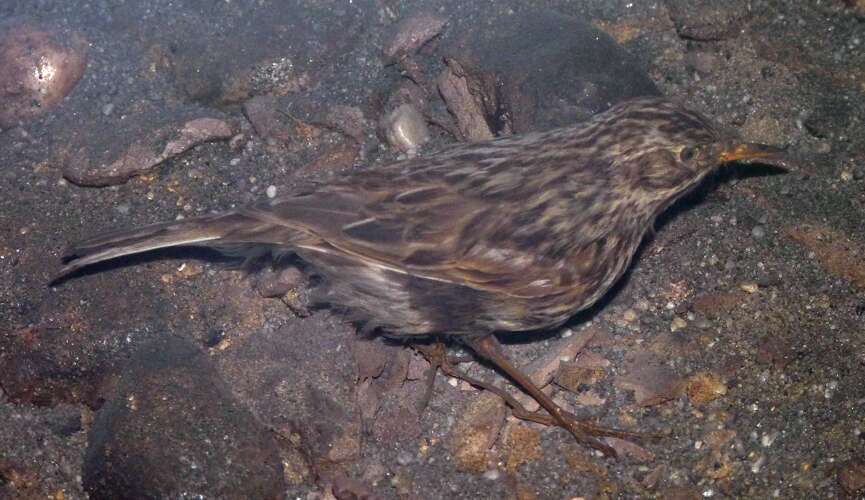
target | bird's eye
[{"x": 687, "y": 154}]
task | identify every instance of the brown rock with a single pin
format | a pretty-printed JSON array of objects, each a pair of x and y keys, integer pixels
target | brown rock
[
  {"x": 713, "y": 305},
  {"x": 41, "y": 66},
  {"x": 412, "y": 33},
  {"x": 630, "y": 449},
  {"x": 851, "y": 477},
  {"x": 339, "y": 157},
  {"x": 706, "y": 20},
  {"x": 43, "y": 366},
  {"x": 544, "y": 368},
  {"x": 145, "y": 154},
  {"x": 263, "y": 113},
  {"x": 476, "y": 431},
  {"x": 523, "y": 445},
  {"x": 703, "y": 388},
  {"x": 774, "y": 351},
  {"x": 464, "y": 103},
  {"x": 650, "y": 379},
  {"x": 837, "y": 253},
  {"x": 572, "y": 377}
]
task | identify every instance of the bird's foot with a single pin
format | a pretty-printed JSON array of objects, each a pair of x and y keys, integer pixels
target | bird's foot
[{"x": 586, "y": 432}]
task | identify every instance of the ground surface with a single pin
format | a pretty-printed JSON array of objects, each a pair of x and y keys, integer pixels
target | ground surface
[{"x": 738, "y": 330}]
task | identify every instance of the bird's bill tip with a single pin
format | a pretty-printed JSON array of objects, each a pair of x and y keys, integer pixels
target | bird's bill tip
[{"x": 750, "y": 152}]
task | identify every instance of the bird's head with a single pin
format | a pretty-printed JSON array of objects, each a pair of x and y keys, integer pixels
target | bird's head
[{"x": 673, "y": 149}]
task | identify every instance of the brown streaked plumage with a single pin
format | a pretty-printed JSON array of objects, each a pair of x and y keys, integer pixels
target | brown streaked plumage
[{"x": 517, "y": 233}]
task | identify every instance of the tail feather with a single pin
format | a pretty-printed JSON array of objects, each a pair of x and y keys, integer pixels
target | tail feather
[{"x": 209, "y": 231}]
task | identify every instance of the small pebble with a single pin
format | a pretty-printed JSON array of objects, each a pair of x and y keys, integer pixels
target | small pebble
[
  {"x": 758, "y": 232},
  {"x": 492, "y": 475},
  {"x": 107, "y": 109},
  {"x": 677, "y": 324},
  {"x": 404, "y": 458},
  {"x": 749, "y": 287},
  {"x": 629, "y": 315},
  {"x": 768, "y": 439},
  {"x": 406, "y": 129},
  {"x": 271, "y": 191},
  {"x": 703, "y": 324},
  {"x": 234, "y": 162}
]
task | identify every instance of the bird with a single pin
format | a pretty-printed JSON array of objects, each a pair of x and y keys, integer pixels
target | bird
[{"x": 513, "y": 234}]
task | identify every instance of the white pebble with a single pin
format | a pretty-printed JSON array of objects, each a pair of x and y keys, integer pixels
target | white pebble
[
  {"x": 271, "y": 191},
  {"x": 492, "y": 475},
  {"x": 406, "y": 129}
]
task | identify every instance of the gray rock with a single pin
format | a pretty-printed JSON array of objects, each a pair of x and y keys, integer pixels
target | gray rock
[{"x": 173, "y": 427}]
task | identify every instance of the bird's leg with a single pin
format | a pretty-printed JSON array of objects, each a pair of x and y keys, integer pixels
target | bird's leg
[
  {"x": 583, "y": 431},
  {"x": 437, "y": 356}
]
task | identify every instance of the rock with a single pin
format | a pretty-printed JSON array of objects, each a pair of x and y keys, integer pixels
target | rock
[
  {"x": 716, "y": 305},
  {"x": 272, "y": 283},
  {"x": 630, "y": 449},
  {"x": 836, "y": 252},
  {"x": 476, "y": 431},
  {"x": 543, "y": 369},
  {"x": 173, "y": 426},
  {"x": 777, "y": 352},
  {"x": 706, "y": 20},
  {"x": 650, "y": 379},
  {"x": 523, "y": 445},
  {"x": 539, "y": 70},
  {"x": 42, "y": 451},
  {"x": 829, "y": 119},
  {"x": 851, "y": 477},
  {"x": 41, "y": 66},
  {"x": 300, "y": 380},
  {"x": 412, "y": 33},
  {"x": 703, "y": 388},
  {"x": 263, "y": 113},
  {"x": 465, "y": 105},
  {"x": 286, "y": 48},
  {"x": 765, "y": 129},
  {"x": 47, "y": 367},
  {"x": 405, "y": 129},
  {"x": 572, "y": 377},
  {"x": 144, "y": 154},
  {"x": 371, "y": 356}
]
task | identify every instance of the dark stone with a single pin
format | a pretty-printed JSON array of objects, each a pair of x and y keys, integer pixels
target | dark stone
[
  {"x": 173, "y": 427},
  {"x": 707, "y": 20},
  {"x": 300, "y": 379},
  {"x": 45, "y": 367},
  {"x": 830, "y": 118},
  {"x": 540, "y": 70}
]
